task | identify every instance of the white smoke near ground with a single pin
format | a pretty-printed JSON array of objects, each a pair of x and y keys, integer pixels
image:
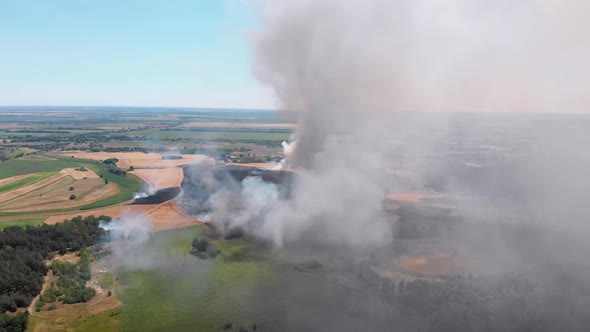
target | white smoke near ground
[
  {"x": 128, "y": 237},
  {"x": 140, "y": 195}
]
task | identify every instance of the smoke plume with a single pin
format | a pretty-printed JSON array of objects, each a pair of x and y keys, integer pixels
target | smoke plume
[
  {"x": 128, "y": 237},
  {"x": 346, "y": 68}
]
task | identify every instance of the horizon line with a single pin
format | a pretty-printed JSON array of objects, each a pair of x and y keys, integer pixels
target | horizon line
[{"x": 200, "y": 108}]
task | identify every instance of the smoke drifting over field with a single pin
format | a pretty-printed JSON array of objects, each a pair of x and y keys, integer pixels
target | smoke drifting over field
[
  {"x": 374, "y": 85},
  {"x": 128, "y": 237},
  {"x": 351, "y": 70},
  {"x": 347, "y": 67}
]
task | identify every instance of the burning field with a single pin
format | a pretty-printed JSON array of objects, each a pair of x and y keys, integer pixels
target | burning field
[{"x": 431, "y": 265}]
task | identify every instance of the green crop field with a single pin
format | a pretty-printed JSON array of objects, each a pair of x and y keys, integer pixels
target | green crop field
[
  {"x": 183, "y": 293},
  {"x": 22, "y": 223},
  {"x": 33, "y": 178}
]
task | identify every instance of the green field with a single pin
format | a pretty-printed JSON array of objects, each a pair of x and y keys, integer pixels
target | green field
[
  {"x": 183, "y": 293},
  {"x": 171, "y": 290},
  {"x": 36, "y": 158},
  {"x": 22, "y": 223},
  {"x": 33, "y": 178}
]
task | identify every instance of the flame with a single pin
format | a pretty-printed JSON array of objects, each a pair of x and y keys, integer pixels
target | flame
[{"x": 440, "y": 263}]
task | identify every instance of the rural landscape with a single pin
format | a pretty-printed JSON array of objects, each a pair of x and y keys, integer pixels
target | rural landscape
[
  {"x": 140, "y": 243},
  {"x": 132, "y": 166},
  {"x": 294, "y": 165}
]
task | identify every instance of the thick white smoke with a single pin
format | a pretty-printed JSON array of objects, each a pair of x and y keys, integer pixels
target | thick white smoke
[
  {"x": 140, "y": 195},
  {"x": 346, "y": 67},
  {"x": 128, "y": 237}
]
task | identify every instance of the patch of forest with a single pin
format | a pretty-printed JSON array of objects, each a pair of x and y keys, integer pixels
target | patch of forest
[
  {"x": 71, "y": 283},
  {"x": 23, "y": 252}
]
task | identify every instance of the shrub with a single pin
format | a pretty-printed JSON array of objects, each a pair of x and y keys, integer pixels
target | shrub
[
  {"x": 234, "y": 233},
  {"x": 72, "y": 196},
  {"x": 200, "y": 245},
  {"x": 71, "y": 188},
  {"x": 171, "y": 157}
]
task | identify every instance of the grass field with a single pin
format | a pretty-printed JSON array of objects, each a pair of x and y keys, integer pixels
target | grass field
[
  {"x": 184, "y": 293},
  {"x": 37, "y": 158},
  {"x": 177, "y": 291},
  {"x": 22, "y": 223},
  {"x": 20, "y": 166},
  {"x": 33, "y": 178}
]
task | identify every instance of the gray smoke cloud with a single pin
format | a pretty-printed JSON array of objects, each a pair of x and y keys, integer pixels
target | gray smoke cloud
[
  {"x": 348, "y": 67},
  {"x": 330, "y": 57},
  {"x": 374, "y": 85}
]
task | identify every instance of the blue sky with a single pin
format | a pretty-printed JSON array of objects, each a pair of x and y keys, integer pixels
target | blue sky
[{"x": 132, "y": 53}]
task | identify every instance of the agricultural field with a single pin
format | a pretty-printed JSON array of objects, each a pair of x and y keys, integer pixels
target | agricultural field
[
  {"x": 216, "y": 135},
  {"x": 37, "y": 186},
  {"x": 174, "y": 291},
  {"x": 189, "y": 294},
  {"x": 52, "y": 168},
  {"x": 256, "y": 134},
  {"x": 22, "y": 222}
]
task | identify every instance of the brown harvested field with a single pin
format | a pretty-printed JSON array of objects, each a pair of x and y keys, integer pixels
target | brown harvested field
[
  {"x": 79, "y": 175},
  {"x": 269, "y": 165},
  {"x": 160, "y": 178},
  {"x": 57, "y": 195},
  {"x": 25, "y": 190},
  {"x": 96, "y": 156},
  {"x": 238, "y": 125},
  {"x": 167, "y": 215},
  {"x": 412, "y": 197},
  {"x": 140, "y": 159},
  {"x": 12, "y": 179}
]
